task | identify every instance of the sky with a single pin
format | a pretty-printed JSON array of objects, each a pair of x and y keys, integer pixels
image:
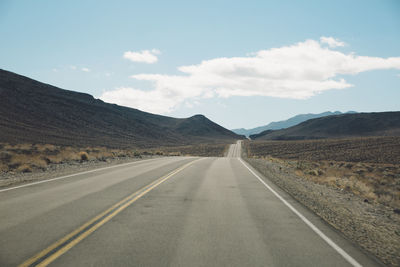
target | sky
[{"x": 242, "y": 64}]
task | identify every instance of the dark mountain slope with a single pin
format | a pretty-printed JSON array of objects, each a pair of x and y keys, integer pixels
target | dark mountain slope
[
  {"x": 339, "y": 126},
  {"x": 35, "y": 112}
]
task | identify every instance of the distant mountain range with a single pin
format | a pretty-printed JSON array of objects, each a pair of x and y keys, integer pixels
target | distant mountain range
[
  {"x": 34, "y": 112},
  {"x": 286, "y": 123},
  {"x": 338, "y": 126}
]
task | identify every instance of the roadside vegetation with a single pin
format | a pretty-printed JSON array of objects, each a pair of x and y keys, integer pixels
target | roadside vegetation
[
  {"x": 200, "y": 150},
  {"x": 367, "y": 167},
  {"x": 25, "y": 158}
]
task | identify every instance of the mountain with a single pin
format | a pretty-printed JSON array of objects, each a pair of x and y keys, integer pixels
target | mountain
[
  {"x": 34, "y": 112},
  {"x": 286, "y": 123},
  {"x": 339, "y": 126}
]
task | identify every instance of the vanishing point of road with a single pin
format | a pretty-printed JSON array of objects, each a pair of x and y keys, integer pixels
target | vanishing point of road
[{"x": 176, "y": 211}]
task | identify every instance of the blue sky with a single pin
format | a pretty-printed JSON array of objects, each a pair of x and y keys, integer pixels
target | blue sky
[{"x": 240, "y": 63}]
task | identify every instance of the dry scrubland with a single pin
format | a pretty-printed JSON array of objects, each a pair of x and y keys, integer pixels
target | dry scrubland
[
  {"x": 353, "y": 184},
  {"x": 30, "y": 157},
  {"x": 23, "y": 158},
  {"x": 201, "y": 150},
  {"x": 366, "y": 149},
  {"x": 368, "y": 167}
]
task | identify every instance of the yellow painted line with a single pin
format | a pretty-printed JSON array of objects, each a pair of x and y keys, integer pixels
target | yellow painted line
[{"x": 118, "y": 207}]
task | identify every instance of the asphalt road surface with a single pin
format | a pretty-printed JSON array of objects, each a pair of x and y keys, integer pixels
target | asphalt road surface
[{"x": 177, "y": 211}]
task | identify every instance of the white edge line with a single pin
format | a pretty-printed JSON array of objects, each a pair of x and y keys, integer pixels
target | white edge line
[
  {"x": 338, "y": 249},
  {"x": 75, "y": 174}
]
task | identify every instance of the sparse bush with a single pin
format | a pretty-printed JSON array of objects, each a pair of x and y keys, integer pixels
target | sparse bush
[
  {"x": 24, "y": 168},
  {"x": 349, "y": 165},
  {"x": 14, "y": 165},
  {"x": 5, "y": 156},
  {"x": 3, "y": 167},
  {"x": 39, "y": 163},
  {"x": 174, "y": 154},
  {"x": 299, "y": 165},
  {"x": 46, "y": 147},
  {"x": 47, "y": 160},
  {"x": 83, "y": 156}
]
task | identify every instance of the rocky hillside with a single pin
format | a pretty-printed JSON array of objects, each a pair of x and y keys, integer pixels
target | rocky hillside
[{"x": 34, "y": 112}]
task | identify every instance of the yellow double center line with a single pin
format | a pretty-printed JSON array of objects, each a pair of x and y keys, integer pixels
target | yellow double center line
[{"x": 55, "y": 250}]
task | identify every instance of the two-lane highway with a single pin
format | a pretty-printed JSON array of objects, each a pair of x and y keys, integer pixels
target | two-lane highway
[{"x": 176, "y": 211}]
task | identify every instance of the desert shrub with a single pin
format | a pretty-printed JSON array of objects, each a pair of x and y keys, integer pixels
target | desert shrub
[
  {"x": 3, "y": 167},
  {"x": 175, "y": 154},
  {"x": 300, "y": 165},
  {"x": 315, "y": 172},
  {"x": 54, "y": 159},
  {"x": 24, "y": 168},
  {"x": 46, "y": 159},
  {"x": 14, "y": 165},
  {"x": 39, "y": 163},
  {"x": 5, "y": 156},
  {"x": 83, "y": 156}
]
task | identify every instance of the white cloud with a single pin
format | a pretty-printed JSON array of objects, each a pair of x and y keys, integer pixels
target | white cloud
[
  {"x": 332, "y": 42},
  {"x": 85, "y": 69},
  {"x": 155, "y": 101},
  {"x": 144, "y": 56},
  {"x": 299, "y": 71},
  {"x": 72, "y": 67}
]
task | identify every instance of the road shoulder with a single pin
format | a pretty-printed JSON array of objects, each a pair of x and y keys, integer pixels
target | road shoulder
[{"x": 375, "y": 229}]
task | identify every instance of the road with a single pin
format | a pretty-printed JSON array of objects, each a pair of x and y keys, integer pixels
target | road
[{"x": 177, "y": 211}]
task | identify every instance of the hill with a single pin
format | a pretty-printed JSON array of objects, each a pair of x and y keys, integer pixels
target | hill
[
  {"x": 339, "y": 126},
  {"x": 286, "y": 123},
  {"x": 34, "y": 112}
]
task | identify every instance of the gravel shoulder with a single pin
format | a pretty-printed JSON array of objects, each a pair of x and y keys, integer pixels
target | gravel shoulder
[
  {"x": 9, "y": 179},
  {"x": 374, "y": 227}
]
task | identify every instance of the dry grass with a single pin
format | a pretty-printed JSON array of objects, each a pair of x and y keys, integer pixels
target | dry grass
[
  {"x": 201, "y": 150},
  {"x": 373, "y": 182},
  {"x": 367, "y": 167},
  {"x": 24, "y": 168},
  {"x": 31, "y": 157}
]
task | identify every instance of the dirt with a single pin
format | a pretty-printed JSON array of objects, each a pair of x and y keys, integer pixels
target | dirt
[{"x": 373, "y": 226}]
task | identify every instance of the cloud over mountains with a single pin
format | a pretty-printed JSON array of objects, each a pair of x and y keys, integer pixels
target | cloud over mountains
[{"x": 298, "y": 71}]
